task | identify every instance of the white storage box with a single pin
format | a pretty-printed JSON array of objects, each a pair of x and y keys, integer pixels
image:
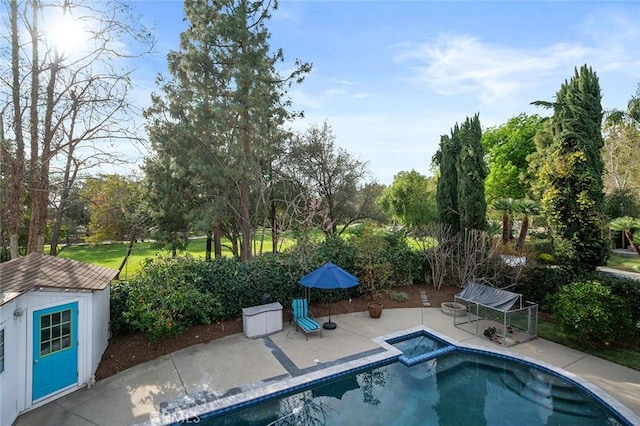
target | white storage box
[{"x": 258, "y": 321}]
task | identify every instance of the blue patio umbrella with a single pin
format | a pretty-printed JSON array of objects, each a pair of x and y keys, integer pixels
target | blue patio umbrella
[{"x": 329, "y": 276}]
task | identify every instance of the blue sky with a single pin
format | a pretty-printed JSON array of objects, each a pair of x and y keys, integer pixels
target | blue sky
[{"x": 390, "y": 77}]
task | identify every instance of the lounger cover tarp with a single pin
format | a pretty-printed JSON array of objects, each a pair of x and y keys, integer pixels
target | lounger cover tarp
[{"x": 484, "y": 295}]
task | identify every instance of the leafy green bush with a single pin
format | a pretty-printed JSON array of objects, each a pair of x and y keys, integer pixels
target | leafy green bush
[
  {"x": 589, "y": 312},
  {"x": 240, "y": 284},
  {"x": 399, "y": 296},
  {"x": 163, "y": 299},
  {"x": 541, "y": 283},
  {"x": 120, "y": 295},
  {"x": 171, "y": 294},
  {"x": 169, "y": 310},
  {"x": 336, "y": 250},
  {"x": 626, "y": 288},
  {"x": 406, "y": 264},
  {"x": 546, "y": 258},
  {"x": 372, "y": 267},
  {"x": 541, "y": 246}
]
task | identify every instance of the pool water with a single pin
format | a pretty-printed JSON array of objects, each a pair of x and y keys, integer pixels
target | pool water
[{"x": 460, "y": 388}]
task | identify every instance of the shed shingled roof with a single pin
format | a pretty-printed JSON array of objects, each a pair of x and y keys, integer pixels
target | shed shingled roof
[{"x": 39, "y": 270}]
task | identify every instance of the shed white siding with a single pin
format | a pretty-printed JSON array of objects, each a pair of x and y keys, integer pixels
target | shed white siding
[
  {"x": 16, "y": 380},
  {"x": 10, "y": 376},
  {"x": 100, "y": 314}
]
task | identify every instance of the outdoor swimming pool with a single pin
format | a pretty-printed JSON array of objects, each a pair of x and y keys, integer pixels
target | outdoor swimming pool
[{"x": 457, "y": 386}]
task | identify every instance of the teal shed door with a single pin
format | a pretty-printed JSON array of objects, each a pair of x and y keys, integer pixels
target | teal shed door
[{"x": 55, "y": 349}]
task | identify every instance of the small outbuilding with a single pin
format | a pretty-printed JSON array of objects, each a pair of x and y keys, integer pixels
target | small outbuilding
[{"x": 54, "y": 328}]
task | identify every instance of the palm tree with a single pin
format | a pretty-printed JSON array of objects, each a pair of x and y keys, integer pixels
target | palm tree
[
  {"x": 632, "y": 113},
  {"x": 526, "y": 208},
  {"x": 627, "y": 225},
  {"x": 505, "y": 205}
]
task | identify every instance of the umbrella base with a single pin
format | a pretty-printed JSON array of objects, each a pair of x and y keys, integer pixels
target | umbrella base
[{"x": 329, "y": 325}]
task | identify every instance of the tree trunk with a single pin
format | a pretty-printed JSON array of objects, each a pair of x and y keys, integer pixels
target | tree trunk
[
  {"x": 55, "y": 232},
  {"x": 35, "y": 160},
  {"x": 244, "y": 83},
  {"x": 245, "y": 219},
  {"x": 274, "y": 227},
  {"x": 207, "y": 255},
  {"x": 40, "y": 171},
  {"x": 15, "y": 163},
  {"x": 67, "y": 182},
  {"x": 629, "y": 236},
  {"x": 217, "y": 239},
  {"x": 126, "y": 256},
  {"x": 524, "y": 229},
  {"x": 506, "y": 232},
  {"x": 57, "y": 220}
]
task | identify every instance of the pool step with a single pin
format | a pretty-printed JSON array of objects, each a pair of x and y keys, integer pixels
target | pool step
[
  {"x": 548, "y": 392},
  {"x": 411, "y": 361}
]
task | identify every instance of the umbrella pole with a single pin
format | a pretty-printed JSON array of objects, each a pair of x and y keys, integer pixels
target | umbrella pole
[{"x": 329, "y": 325}]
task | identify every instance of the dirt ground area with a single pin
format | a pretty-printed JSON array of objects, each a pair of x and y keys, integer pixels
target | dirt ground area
[{"x": 127, "y": 351}]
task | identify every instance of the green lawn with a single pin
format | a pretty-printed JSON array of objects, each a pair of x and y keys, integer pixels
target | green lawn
[
  {"x": 624, "y": 263},
  {"x": 111, "y": 255}
]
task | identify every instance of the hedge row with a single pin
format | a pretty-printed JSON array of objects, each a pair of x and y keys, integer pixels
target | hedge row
[{"x": 172, "y": 294}]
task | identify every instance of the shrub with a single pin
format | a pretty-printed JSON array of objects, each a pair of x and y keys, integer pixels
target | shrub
[
  {"x": 589, "y": 312},
  {"x": 336, "y": 250},
  {"x": 171, "y": 294},
  {"x": 169, "y": 309},
  {"x": 240, "y": 284},
  {"x": 626, "y": 288},
  {"x": 164, "y": 299},
  {"x": 541, "y": 246},
  {"x": 546, "y": 258},
  {"x": 405, "y": 263},
  {"x": 399, "y": 296},
  {"x": 541, "y": 283},
  {"x": 120, "y": 295},
  {"x": 372, "y": 266}
]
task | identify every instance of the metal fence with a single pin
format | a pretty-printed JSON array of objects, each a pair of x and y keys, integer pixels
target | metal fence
[{"x": 506, "y": 328}]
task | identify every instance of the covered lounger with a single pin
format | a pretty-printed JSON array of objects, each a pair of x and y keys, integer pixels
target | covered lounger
[{"x": 304, "y": 322}]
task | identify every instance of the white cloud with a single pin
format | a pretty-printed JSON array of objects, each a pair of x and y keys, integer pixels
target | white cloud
[
  {"x": 334, "y": 92},
  {"x": 303, "y": 99},
  {"x": 459, "y": 64}
]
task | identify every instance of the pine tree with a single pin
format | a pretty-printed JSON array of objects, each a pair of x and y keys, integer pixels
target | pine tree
[
  {"x": 225, "y": 103},
  {"x": 574, "y": 200}
]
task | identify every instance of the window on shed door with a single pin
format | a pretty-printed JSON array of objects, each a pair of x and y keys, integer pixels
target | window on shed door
[
  {"x": 55, "y": 332},
  {"x": 1, "y": 350}
]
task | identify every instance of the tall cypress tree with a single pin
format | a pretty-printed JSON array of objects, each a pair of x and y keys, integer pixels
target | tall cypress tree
[
  {"x": 574, "y": 200},
  {"x": 471, "y": 171},
  {"x": 447, "y": 189}
]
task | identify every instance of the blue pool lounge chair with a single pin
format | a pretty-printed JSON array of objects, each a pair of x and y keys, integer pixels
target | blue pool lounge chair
[{"x": 304, "y": 322}]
